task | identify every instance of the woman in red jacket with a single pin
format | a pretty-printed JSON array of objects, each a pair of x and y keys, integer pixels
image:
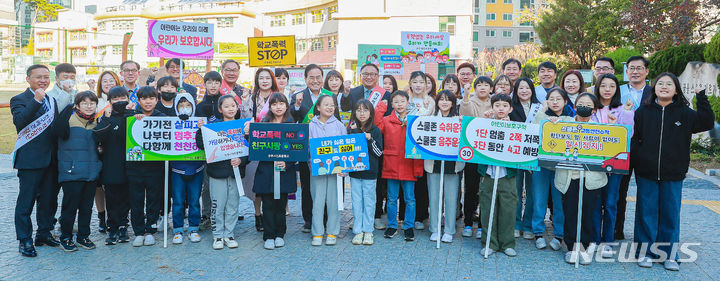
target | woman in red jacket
[{"x": 398, "y": 171}]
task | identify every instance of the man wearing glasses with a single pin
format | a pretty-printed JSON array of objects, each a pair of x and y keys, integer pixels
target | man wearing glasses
[
  {"x": 603, "y": 65},
  {"x": 369, "y": 74},
  {"x": 130, "y": 73},
  {"x": 466, "y": 75},
  {"x": 634, "y": 93},
  {"x": 230, "y": 71}
]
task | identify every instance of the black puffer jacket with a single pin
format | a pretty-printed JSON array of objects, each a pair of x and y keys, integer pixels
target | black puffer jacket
[{"x": 660, "y": 146}]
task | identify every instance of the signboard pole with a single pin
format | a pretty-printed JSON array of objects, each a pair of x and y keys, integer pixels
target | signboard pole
[
  {"x": 165, "y": 204},
  {"x": 238, "y": 181},
  {"x": 579, "y": 217},
  {"x": 340, "y": 192},
  {"x": 440, "y": 200},
  {"x": 276, "y": 181},
  {"x": 492, "y": 212}
]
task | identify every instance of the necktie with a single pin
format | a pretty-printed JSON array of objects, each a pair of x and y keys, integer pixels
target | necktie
[
  {"x": 45, "y": 105},
  {"x": 367, "y": 93}
]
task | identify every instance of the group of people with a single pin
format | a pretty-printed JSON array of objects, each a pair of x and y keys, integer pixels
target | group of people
[{"x": 76, "y": 141}]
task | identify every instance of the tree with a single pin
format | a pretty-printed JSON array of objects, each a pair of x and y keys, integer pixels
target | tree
[
  {"x": 581, "y": 29},
  {"x": 674, "y": 59},
  {"x": 491, "y": 60},
  {"x": 712, "y": 50},
  {"x": 658, "y": 24},
  {"x": 44, "y": 10}
]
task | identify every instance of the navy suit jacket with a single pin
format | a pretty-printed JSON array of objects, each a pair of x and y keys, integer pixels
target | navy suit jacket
[
  {"x": 358, "y": 93},
  {"x": 305, "y": 106},
  {"x": 40, "y": 152}
]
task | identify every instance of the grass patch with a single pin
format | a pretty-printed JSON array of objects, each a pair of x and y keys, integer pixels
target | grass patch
[
  {"x": 8, "y": 136},
  {"x": 700, "y": 162}
]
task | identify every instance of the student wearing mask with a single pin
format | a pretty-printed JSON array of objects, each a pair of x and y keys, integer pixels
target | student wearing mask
[{"x": 64, "y": 91}]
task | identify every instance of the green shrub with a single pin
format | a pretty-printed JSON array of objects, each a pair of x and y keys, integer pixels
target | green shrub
[
  {"x": 530, "y": 69},
  {"x": 712, "y": 50},
  {"x": 674, "y": 59},
  {"x": 714, "y": 103},
  {"x": 705, "y": 146}
]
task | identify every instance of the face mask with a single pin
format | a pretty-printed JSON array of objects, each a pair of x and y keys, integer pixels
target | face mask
[
  {"x": 584, "y": 111},
  {"x": 168, "y": 96},
  {"x": 119, "y": 107},
  {"x": 185, "y": 110},
  {"x": 67, "y": 83}
]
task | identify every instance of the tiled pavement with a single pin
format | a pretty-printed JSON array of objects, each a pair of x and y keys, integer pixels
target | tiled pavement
[{"x": 386, "y": 260}]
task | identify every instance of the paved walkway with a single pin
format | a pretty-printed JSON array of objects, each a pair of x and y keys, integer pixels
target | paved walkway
[{"x": 387, "y": 259}]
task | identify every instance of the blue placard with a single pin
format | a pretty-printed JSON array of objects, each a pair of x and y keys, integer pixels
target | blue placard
[
  {"x": 339, "y": 154},
  {"x": 225, "y": 140},
  {"x": 432, "y": 138},
  {"x": 279, "y": 142}
]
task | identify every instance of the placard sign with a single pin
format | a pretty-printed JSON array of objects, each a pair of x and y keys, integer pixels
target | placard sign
[
  {"x": 225, "y": 140},
  {"x": 499, "y": 143},
  {"x": 279, "y": 142},
  {"x": 176, "y": 39},
  {"x": 432, "y": 138},
  {"x": 271, "y": 51},
  {"x": 339, "y": 154},
  {"x": 162, "y": 139}
]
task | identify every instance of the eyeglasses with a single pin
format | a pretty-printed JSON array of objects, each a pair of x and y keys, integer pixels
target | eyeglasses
[
  {"x": 314, "y": 78},
  {"x": 231, "y": 70},
  {"x": 636, "y": 68},
  {"x": 603, "y": 68},
  {"x": 128, "y": 70},
  {"x": 86, "y": 104},
  {"x": 465, "y": 74},
  {"x": 556, "y": 100},
  {"x": 368, "y": 74}
]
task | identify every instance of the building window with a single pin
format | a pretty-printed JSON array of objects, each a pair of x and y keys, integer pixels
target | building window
[
  {"x": 527, "y": 23},
  {"x": 101, "y": 26},
  {"x": 203, "y": 20},
  {"x": 491, "y": 1},
  {"x": 507, "y": 17},
  {"x": 489, "y": 33},
  {"x": 317, "y": 44},
  {"x": 477, "y": 6},
  {"x": 507, "y": 33},
  {"x": 45, "y": 37},
  {"x": 277, "y": 21},
  {"x": 298, "y": 19},
  {"x": 447, "y": 24},
  {"x": 476, "y": 19},
  {"x": 332, "y": 42},
  {"x": 331, "y": 12},
  {"x": 317, "y": 16},
  {"x": 225, "y": 22},
  {"x": 78, "y": 35},
  {"x": 476, "y": 36},
  {"x": 123, "y": 25},
  {"x": 45, "y": 53},
  {"x": 528, "y": 36},
  {"x": 527, "y": 4},
  {"x": 300, "y": 45},
  {"x": 79, "y": 52},
  {"x": 507, "y": 1},
  {"x": 490, "y": 16}
]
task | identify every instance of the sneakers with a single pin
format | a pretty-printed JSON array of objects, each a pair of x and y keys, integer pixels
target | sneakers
[
  {"x": 510, "y": 252},
  {"x": 194, "y": 236},
  {"x": 279, "y": 242},
  {"x": 122, "y": 235},
  {"x": 306, "y": 227},
  {"x": 409, "y": 235},
  {"x": 419, "y": 225},
  {"x": 478, "y": 234},
  {"x": 554, "y": 244},
  {"x": 434, "y": 237},
  {"x": 111, "y": 240},
  {"x": 331, "y": 240},
  {"x": 368, "y": 239},
  {"x": 178, "y": 238},
  {"x": 230, "y": 242},
  {"x": 645, "y": 262},
  {"x": 357, "y": 240},
  {"x": 488, "y": 250},
  {"x": 572, "y": 256},
  {"x": 218, "y": 244},
  {"x": 138, "y": 242},
  {"x": 671, "y": 265},
  {"x": 390, "y": 232},
  {"x": 606, "y": 251},
  {"x": 68, "y": 245},
  {"x": 149, "y": 240},
  {"x": 86, "y": 243},
  {"x": 269, "y": 244},
  {"x": 205, "y": 223},
  {"x": 379, "y": 224},
  {"x": 467, "y": 231},
  {"x": 528, "y": 235},
  {"x": 516, "y": 233},
  {"x": 540, "y": 242},
  {"x": 447, "y": 238},
  {"x": 317, "y": 241}
]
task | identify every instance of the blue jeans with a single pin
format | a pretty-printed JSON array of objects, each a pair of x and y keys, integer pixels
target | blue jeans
[
  {"x": 524, "y": 222},
  {"x": 409, "y": 195},
  {"x": 657, "y": 214},
  {"x": 191, "y": 189},
  {"x": 543, "y": 185},
  {"x": 606, "y": 211},
  {"x": 363, "y": 204}
]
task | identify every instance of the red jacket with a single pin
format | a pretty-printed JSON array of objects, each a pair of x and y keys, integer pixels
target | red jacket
[{"x": 395, "y": 166}]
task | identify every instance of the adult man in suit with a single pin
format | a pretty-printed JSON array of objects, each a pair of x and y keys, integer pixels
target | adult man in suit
[
  {"x": 369, "y": 74},
  {"x": 34, "y": 160},
  {"x": 603, "y": 65}
]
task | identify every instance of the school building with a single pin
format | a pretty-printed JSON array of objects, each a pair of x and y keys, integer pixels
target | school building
[{"x": 497, "y": 23}]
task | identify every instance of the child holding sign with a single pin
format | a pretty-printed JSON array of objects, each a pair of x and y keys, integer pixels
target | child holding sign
[
  {"x": 274, "y": 224},
  {"x": 501, "y": 238},
  {"x": 446, "y": 106},
  {"x": 364, "y": 182},
  {"x": 223, "y": 189},
  {"x": 324, "y": 188},
  {"x": 400, "y": 172}
]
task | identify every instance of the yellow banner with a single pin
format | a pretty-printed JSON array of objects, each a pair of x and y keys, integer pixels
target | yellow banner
[
  {"x": 584, "y": 139},
  {"x": 271, "y": 51}
]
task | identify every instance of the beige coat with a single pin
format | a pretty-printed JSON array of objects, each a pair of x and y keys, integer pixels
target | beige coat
[
  {"x": 593, "y": 180},
  {"x": 474, "y": 107}
]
